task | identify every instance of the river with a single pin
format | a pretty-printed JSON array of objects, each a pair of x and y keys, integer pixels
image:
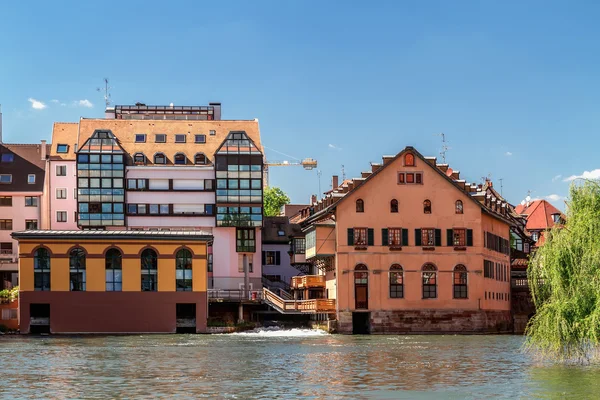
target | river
[{"x": 284, "y": 364}]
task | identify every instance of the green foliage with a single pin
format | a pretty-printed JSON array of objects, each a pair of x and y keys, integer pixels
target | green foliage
[
  {"x": 274, "y": 199},
  {"x": 9, "y": 295},
  {"x": 564, "y": 277}
]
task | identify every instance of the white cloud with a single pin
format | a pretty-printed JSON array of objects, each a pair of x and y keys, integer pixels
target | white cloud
[
  {"x": 55, "y": 101},
  {"x": 557, "y": 177},
  {"x": 594, "y": 174},
  {"x": 36, "y": 104},
  {"x": 333, "y": 146},
  {"x": 508, "y": 153},
  {"x": 553, "y": 197},
  {"x": 84, "y": 103}
]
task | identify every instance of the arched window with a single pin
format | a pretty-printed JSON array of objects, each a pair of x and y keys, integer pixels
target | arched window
[
  {"x": 114, "y": 270},
  {"x": 183, "y": 272},
  {"x": 149, "y": 270},
  {"x": 41, "y": 269},
  {"x": 360, "y": 206},
  {"x": 394, "y": 206},
  {"x": 139, "y": 158},
  {"x": 77, "y": 269},
  {"x": 460, "y": 282},
  {"x": 200, "y": 159},
  {"x": 180, "y": 159},
  {"x": 160, "y": 158},
  {"x": 458, "y": 207},
  {"x": 427, "y": 207},
  {"x": 409, "y": 160},
  {"x": 429, "y": 281},
  {"x": 396, "y": 282}
]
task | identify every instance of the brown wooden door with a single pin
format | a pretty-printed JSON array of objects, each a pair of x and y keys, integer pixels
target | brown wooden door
[{"x": 361, "y": 296}]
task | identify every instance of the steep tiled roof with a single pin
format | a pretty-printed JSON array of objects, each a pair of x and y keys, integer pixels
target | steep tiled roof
[
  {"x": 29, "y": 152},
  {"x": 64, "y": 133},
  {"x": 273, "y": 225},
  {"x": 539, "y": 214}
]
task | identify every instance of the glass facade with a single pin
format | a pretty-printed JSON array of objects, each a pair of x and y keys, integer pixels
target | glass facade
[
  {"x": 239, "y": 173},
  {"x": 100, "y": 181}
]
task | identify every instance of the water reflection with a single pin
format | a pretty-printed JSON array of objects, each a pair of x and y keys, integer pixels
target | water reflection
[{"x": 290, "y": 365}]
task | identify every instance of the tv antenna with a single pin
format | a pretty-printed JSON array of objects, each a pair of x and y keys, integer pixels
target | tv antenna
[
  {"x": 445, "y": 147},
  {"x": 319, "y": 175},
  {"x": 106, "y": 90},
  {"x": 343, "y": 173},
  {"x": 501, "y": 186}
]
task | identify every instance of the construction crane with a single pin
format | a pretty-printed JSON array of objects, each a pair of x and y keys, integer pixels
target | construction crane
[{"x": 307, "y": 163}]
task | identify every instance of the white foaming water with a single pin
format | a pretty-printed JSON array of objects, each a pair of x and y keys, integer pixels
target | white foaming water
[{"x": 278, "y": 332}]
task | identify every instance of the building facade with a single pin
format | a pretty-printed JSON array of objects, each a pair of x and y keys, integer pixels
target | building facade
[
  {"x": 90, "y": 281},
  {"x": 410, "y": 247},
  {"x": 22, "y": 176}
]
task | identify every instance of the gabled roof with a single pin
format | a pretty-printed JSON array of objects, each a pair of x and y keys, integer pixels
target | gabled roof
[
  {"x": 273, "y": 225},
  {"x": 539, "y": 214}
]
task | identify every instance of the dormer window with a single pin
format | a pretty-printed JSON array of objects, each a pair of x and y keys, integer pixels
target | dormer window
[
  {"x": 535, "y": 236},
  {"x": 62, "y": 148},
  {"x": 200, "y": 159},
  {"x": 139, "y": 158},
  {"x": 427, "y": 207},
  {"x": 160, "y": 158},
  {"x": 360, "y": 206},
  {"x": 556, "y": 218},
  {"x": 7, "y": 158},
  {"x": 409, "y": 160},
  {"x": 140, "y": 138},
  {"x": 180, "y": 159},
  {"x": 458, "y": 207}
]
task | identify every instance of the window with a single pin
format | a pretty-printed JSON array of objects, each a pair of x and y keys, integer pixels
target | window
[
  {"x": 9, "y": 313},
  {"x": 429, "y": 275},
  {"x": 149, "y": 262},
  {"x": 460, "y": 282},
  {"x": 160, "y": 158},
  {"x": 459, "y": 237},
  {"x": 6, "y": 201},
  {"x": 6, "y": 248},
  {"x": 360, "y": 236},
  {"x": 245, "y": 240},
  {"x": 409, "y": 160},
  {"x": 212, "y": 132},
  {"x": 200, "y": 159},
  {"x": 6, "y": 225},
  {"x": 271, "y": 258},
  {"x": 75, "y": 193},
  {"x": 160, "y": 138},
  {"x": 114, "y": 270},
  {"x": 401, "y": 178},
  {"x": 394, "y": 206},
  {"x": 418, "y": 178},
  {"x": 136, "y": 184},
  {"x": 61, "y": 170},
  {"x": 360, "y": 206},
  {"x": 428, "y": 237},
  {"x": 535, "y": 236},
  {"x": 7, "y": 158},
  {"x": 396, "y": 282},
  {"x": 200, "y": 138},
  {"x": 62, "y": 148},
  {"x": 299, "y": 245},
  {"x": 410, "y": 178},
  {"x": 427, "y": 207},
  {"x": 458, "y": 207},
  {"x": 61, "y": 216},
  {"x": 5, "y": 178},
  {"x": 31, "y": 224},
  {"x": 209, "y": 262},
  {"x": 139, "y": 158},
  {"x": 183, "y": 271},
  {"x": 61, "y": 193},
  {"x": 41, "y": 269},
  {"x": 180, "y": 159},
  {"x": 77, "y": 270},
  {"x": 179, "y": 138},
  {"x": 395, "y": 237},
  {"x": 140, "y": 138}
]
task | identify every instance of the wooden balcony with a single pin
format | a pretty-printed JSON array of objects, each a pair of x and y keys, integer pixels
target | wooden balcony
[
  {"x": 308, "y": 281},
  {"x": 298, "y": 306}
]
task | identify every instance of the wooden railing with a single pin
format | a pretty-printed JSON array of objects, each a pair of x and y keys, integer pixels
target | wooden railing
[
  {"x": 312, "y": 305},
  {"x": 307, "y": 281}
]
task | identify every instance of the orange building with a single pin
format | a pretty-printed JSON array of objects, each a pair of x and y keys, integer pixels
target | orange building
[
  {"x": 410, "y": 247},
  {"x": 112, "y": 281}
]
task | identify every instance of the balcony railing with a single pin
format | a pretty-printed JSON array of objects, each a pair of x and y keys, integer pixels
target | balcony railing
[
  {"x": 236, "y": 295},
  {"x": 308, "y": 281},
  {"x": 6, "y": 251},
  {"x": 299, "y": 306}
]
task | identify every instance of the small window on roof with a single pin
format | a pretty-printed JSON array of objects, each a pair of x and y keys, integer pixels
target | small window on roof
[
  {"x": 200, "y": 159},
  {"x": 31, "y": 178},
  {"x": 140, "y": 138},
  {"x": 139, "y": 158},
  {"x": 280, "y": 233},
  {"x": 6, "y": 178},
  {"x": 7, "y": 157},
  {"x": 160, "y": 138},
  {"x": 180, "y": 159},
  {"x": 212, "y": 132},
  {"x": 179, "y": 138},
  {"x": 160, "y": 158},
  {"x": 62, "y": 148},
  {"x": 200, "y": 138}
]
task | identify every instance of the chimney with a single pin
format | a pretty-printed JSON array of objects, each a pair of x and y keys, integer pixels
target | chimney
[
  {"x": 43, "y": 150},
  {"x": 334, "y": 182},
  {"x": 313, "y": 199},
  {"x": 110, "y": 113},
  {"x": 0, "y": 123},
  {"x": 216, "y": 111}
]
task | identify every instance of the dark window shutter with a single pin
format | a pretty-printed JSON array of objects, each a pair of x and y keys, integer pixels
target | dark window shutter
[
  {"x": 264, "y": 257},
  {"x": 384, "y": 237},
  {"x": 370, "y": 237},
  {"x": 404, "y": 237},
  {"x": 469, "y": 237},
  {"x": 438, "y": 237},
  {"x": 350, "y": 237},
  {"x": 449, "y": 237},
  {"x": 277, "y": 258},
  {"x": 417, "y": 237}
]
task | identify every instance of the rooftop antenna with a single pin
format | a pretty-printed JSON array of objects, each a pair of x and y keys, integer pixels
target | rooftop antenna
[
  {"x": 445, "y": 147},
  {"x": 319, "y": 175},
  {"x": 343, "y": 173},
  {"x": 501, "y": 186},
  {"x": 106, "y": 90}
]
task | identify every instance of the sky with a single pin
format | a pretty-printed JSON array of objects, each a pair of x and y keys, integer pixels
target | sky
[{"x": 513, "y": 85}]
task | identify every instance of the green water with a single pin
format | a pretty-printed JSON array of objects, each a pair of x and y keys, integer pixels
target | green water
[{"x": 287, "y": 364}]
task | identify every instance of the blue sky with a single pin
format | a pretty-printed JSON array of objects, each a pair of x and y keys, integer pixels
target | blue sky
[{"x": 513, "y": 85}]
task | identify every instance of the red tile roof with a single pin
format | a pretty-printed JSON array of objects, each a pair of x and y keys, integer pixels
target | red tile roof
[{"x": 539, "y": 214}]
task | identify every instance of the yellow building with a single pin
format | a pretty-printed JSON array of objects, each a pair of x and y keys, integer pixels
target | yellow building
[{"x": 112, "y": 281}]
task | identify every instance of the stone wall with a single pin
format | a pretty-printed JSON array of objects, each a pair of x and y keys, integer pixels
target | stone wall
[{"x": 432, "y": 321}]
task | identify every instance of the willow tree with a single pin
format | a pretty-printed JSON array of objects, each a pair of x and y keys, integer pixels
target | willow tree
[{"x": 564, "y": 277}]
